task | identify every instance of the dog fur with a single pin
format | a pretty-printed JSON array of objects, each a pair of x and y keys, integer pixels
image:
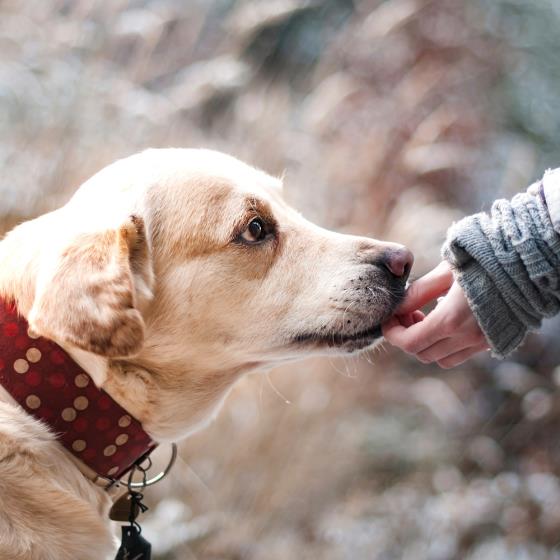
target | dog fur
[{"x": 149, "y": 279}]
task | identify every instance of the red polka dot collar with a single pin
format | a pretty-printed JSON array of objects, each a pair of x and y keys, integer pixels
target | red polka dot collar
[{"x": 53, "y": 388}]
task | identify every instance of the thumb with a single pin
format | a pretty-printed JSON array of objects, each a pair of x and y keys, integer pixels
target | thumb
[{"x": 427, "y": 288}]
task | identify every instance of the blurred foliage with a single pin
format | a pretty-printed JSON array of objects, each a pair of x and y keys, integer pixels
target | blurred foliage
[
  {"x": 532, "y": 74},
  {"x": 387, "y": 118}
]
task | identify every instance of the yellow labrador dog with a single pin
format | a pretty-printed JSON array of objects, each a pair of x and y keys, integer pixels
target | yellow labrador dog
[{"x": 166, "y": 277}]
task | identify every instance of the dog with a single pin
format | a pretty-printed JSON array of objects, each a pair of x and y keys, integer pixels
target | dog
[{"x": 168, "y": 276}]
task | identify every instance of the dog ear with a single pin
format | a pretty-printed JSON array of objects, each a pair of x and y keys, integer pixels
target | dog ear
[{"x": 90, "y": 296}]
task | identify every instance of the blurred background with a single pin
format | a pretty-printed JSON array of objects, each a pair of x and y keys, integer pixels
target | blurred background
[{"x": 388, "y": 118}]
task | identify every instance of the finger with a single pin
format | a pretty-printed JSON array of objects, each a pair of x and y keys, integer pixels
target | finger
[
  {"x": 410, "y": 318},
  {"x": 406, "y": 320},
  {"x": 415, "y": 338},
  {"x": 459, "y": 357},
  {"x": 427, "y": 288},
  {"x": 418, "y": 316},
  {"x": 443, "y": 348}
]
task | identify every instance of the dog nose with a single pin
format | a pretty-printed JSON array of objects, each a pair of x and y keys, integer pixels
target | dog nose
[{"x": 398, "y": 262}]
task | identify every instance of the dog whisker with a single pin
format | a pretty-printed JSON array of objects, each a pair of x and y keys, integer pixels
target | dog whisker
[{"x": 276, "y": 391}]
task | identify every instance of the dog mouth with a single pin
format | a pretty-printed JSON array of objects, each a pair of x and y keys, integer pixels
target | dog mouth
[
  {"x": 349, "y": 342},
  {"x": 367, "y": 326},
  {"x": 337, "y": 339}
]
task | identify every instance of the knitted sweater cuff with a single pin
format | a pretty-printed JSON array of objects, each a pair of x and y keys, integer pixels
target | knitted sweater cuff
[
  {"x": 504, "y": 332},
  {"x": 507, "y": 264}
]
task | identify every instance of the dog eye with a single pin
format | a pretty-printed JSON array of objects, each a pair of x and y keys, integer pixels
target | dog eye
[{"x": 255, "y": 232}]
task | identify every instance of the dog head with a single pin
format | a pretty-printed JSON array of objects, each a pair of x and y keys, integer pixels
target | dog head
[{"x": 188, "y": 265}]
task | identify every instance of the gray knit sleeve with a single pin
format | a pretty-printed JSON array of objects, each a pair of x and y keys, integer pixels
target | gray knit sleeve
[{"x": 508, "y": 264}]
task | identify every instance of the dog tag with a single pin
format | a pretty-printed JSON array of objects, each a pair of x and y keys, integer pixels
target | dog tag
[
  {"x": 125, "y": 509},
  {"x": 134, "y": 546}
]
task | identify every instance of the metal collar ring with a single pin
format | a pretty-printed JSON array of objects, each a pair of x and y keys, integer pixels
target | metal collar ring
[{"x": 139, "y": 485}]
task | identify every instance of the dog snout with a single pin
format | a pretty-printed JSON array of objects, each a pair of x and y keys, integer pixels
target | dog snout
[
  {"x": 398, "y": 262},
  {"x": 394, "y": 258}
]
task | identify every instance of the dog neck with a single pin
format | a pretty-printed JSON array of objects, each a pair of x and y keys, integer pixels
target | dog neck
[{"x": 50, "y": 386}]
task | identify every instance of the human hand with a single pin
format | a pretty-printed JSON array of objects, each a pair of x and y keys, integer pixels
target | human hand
[{"x": 449, "y": 335}]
